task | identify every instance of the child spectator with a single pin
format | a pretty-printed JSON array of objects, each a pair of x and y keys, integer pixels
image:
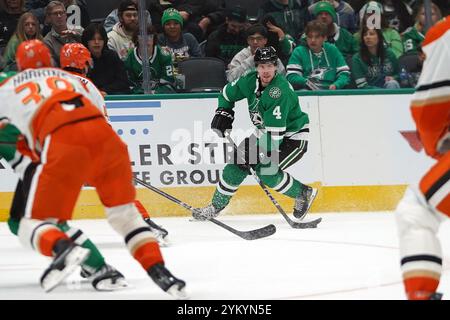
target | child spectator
[
  {"x": 160, "y": 64},
  {"x": 318, "y": 65}
]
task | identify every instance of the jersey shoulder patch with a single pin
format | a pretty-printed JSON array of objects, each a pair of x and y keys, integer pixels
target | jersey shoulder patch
[
  {"x": 165, "y": 51},
  {"x": 275, "y": 92}
]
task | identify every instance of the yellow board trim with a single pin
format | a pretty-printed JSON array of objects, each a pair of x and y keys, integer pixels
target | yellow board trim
[{"x": 248, "y": 199}]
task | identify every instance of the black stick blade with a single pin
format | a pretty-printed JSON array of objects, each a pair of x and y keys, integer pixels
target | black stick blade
[{"x": 249, "y": 235}]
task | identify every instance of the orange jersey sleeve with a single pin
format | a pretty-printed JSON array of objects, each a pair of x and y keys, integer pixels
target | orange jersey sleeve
[{"x": 430, "y": 106}]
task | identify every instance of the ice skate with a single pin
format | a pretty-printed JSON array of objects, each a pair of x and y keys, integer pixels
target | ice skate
[
  {"x": 107, "y": 278},
  {"x": 167, "y": 282},
  {"x": 303, "y": 202},
  {"x": 63, "y": 265},
  {"x": 160, "y": 233},
  {"x": 205, "y": 213}
]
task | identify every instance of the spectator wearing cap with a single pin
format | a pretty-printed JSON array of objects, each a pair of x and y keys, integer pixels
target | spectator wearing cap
[
  {"x": 290, "y": 15},
  {"x": 229, "y": 38},
  {"x": 391, "y": 37},
  {"x": 113, "y": 18},
  {"x": 199, "y": 16},
  {"x": 120, "y": 39},
  {"x": 61, "y": 32},
  {"x": 181, "y": 45},
  {"x": 340, "y": 37},
  {"x": 244, "y": 62},
  {"x": 346, "y": 17}
]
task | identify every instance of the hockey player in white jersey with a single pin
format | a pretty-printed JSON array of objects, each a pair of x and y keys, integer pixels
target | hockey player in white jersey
[
  {"x": 76, "y": 59},
  {"x": 73, "y": 142}
]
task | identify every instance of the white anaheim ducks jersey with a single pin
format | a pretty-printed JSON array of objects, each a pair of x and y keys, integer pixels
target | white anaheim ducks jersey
[
  {"x": 25, "y": 93},
  {"x": 97, "y": 97}
]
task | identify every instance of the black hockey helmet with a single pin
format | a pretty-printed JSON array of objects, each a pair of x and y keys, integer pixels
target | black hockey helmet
[{"x": 266, "y": 55}]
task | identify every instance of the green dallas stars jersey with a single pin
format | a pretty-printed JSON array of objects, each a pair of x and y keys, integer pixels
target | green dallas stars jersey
[
  {"x": 412, "y": 39},
  {"x": 274, "y": 108},
  {"x": 324, "y": 68},
  {"x": 161, "y": 67}
]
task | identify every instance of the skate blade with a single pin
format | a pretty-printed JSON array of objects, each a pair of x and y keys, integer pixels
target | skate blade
[
  {"x": 164, "y": 242},
  {"x": 107, "y": 285},
  {"x": 313, "y": 197},
  {"x": 73, "y": 260},
  {"x": 177, "y": 293}
]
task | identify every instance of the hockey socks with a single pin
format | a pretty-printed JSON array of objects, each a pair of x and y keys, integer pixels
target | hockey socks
[
  {"x": 420, "y": 287},
  {"x": 96, "y": 259}
]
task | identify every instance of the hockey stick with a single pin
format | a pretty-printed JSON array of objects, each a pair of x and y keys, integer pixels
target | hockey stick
[
  {"x": 292, "y": 223},
  {"x": 7, "y": 143},
  {"x": 247, "y": 235}
]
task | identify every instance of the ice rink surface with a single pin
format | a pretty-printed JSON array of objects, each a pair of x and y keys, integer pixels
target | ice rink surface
[{"x": 349, "y": 256}]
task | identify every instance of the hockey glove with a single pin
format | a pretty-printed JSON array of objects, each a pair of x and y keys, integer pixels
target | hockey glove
[{"x": 222, "y": 121}]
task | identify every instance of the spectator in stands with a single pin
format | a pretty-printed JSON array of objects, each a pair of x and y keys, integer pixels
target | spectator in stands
[
  {"x": 181, "y": 45},
  {"x": 413, "y": 36},
  {"x": 193, "y": 13},
  {"x": 113, "y": 18},
  {"x": 212, "y": 17},
  {"x": 346, "y": 17},
  {"x": 290, "y": 15},
  {"x": 120, "y": 39},
  {"x": 27, "y": 28},
  {"x": 61, "y": 33},
  {"x": 391, "y": 37},
  {"x": 108, "y": 73},
  {"x": 10, "y": 12},
  {"x": 229, "y": 38},
  {"x": 283, "y": 43},
  {"x": 243, "y": 62},
  {"x": 397, "y": 14},
  {"x": 160, "y": 63},
  {"x": 318, "y": 65},
  {"x": 77, "y": 12},
  {"x": 340, "y": 37},
  {"x": 375, "y": 66}
]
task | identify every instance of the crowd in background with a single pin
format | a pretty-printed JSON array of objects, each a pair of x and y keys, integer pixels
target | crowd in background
[{"x": 322, "y": 45}]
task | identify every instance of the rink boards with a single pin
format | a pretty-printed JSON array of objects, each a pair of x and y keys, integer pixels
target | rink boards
[{"x": 362, "y": 153}]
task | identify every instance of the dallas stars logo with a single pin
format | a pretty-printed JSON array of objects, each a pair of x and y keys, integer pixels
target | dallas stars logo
[{"x": 275, "y": 93}]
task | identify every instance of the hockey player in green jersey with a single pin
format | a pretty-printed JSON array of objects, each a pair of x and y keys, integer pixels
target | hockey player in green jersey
[
  {"x": 160, "y": 63},
  {"x": 281, "y": 138},
  {"x": 319, "y": 65}
]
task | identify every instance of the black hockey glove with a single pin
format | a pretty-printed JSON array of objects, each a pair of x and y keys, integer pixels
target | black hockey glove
[{"x": 222, "y": 121}]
